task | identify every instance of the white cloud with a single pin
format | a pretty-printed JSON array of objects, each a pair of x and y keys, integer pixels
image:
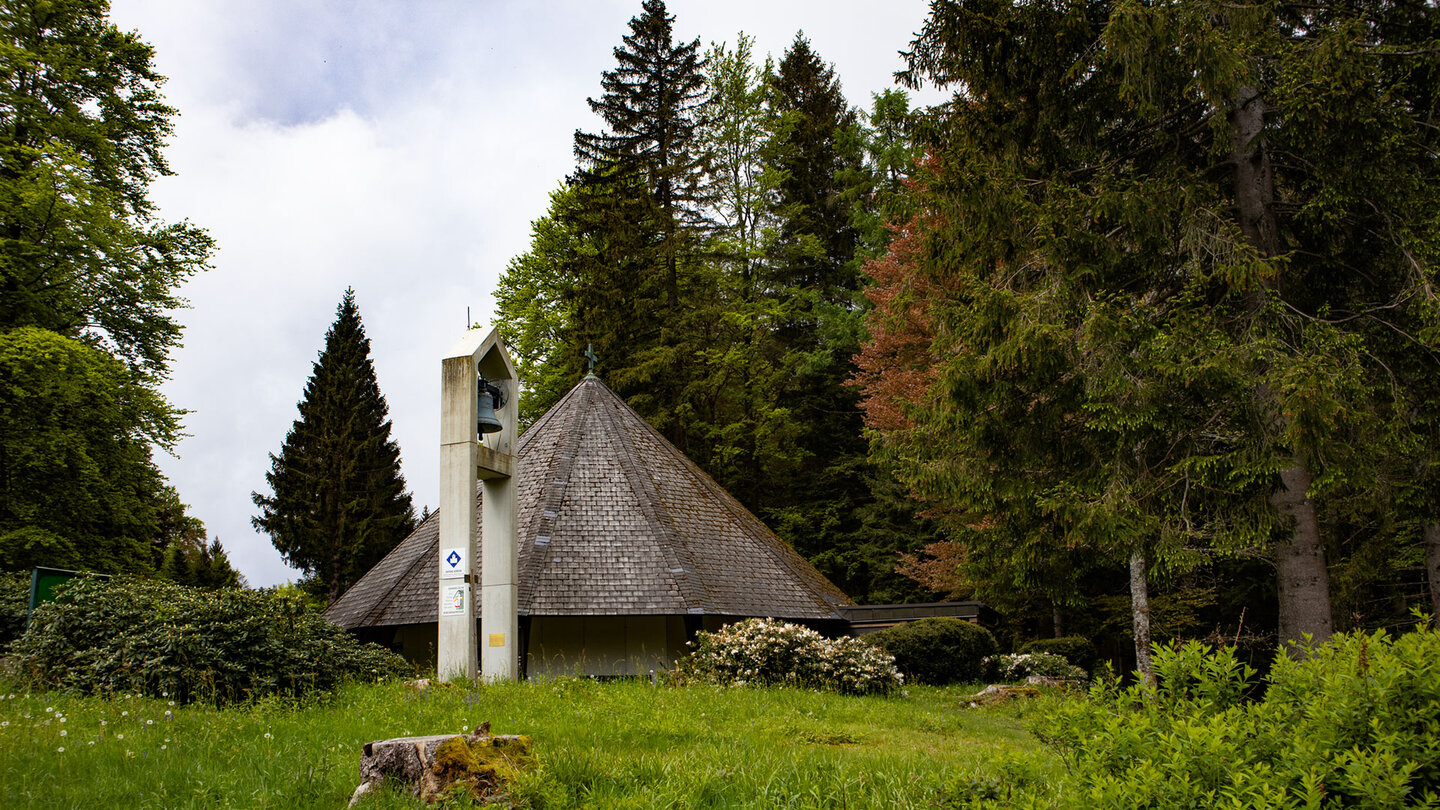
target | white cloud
[{"x": 401, "y": 149}]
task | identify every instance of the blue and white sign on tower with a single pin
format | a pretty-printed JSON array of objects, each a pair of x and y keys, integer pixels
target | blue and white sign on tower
[{"x": 453, "y": 566}]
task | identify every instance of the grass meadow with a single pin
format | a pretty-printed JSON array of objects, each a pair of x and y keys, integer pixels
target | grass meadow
[{"x": 614, "y": 744}]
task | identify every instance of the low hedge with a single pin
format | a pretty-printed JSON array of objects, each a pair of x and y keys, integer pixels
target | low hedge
[
  {"x": 937, "y": 651},
  {"x": 165, "y": 640}
]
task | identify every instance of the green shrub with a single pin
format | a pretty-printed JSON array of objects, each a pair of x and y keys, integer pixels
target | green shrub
[
  {"x": 1078, "y": 650},
  {"x": 1021, "y": 666},
  {"x": 937, "y": 651},
  {"x": 14, "y": 603},
  {"x": 164, "y": 640},
  {"x": 768, "y": 652},
  {"x": 1355, "y": 724}
]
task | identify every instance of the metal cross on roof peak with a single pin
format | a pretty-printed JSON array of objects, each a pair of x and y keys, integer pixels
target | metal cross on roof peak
[{"x": 592, "y": 357}]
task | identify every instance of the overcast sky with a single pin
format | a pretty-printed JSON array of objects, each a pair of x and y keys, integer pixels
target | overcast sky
[{"x": 401, "y": 148}]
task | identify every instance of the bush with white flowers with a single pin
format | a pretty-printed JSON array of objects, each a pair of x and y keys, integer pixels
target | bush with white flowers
[
  {"x": 765, "y": 652},
  {"x": 1019, "y": 667}
]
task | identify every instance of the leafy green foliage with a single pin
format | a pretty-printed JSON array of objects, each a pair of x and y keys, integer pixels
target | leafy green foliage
[
  {"x": 88, "y": 285},
  {"x": 80, "y": 142},
  {"x": 1356, "y": 724},
  {"x": 651, "y": 105},
  {"x": 1126, "y": 319},
  {"x": 160, "y": 639},
  {"x": 937, "y": 651},
  {"x": 14, "y": 605},
  {"x": 534, "y": 303},
  {"x": 339, "y": 502},
  {"x": 1078, "y": 650},
  {"x": 78, "y": 488},
  {"x": 732, "y": 337},
  {"x": 765, "y": 652}
]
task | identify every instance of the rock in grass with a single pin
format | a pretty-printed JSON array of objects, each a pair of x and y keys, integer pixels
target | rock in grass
[{"x": 441, "y": 765}]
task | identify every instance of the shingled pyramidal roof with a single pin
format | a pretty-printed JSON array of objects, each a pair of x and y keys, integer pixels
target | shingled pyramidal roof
[{"x": 614, "y": 520}]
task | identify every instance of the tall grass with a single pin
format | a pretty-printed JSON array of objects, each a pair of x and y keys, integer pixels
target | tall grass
[{"x": 602, "y": 745}]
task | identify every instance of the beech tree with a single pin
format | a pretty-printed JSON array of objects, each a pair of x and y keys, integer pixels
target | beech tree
[
  {"x": 88, "y": 287},
  {"x": 82, "y": 125},
  {"x": 338, "y": 502}
]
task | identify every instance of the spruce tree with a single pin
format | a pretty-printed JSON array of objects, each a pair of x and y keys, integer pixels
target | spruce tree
[
  {"x": 338, "y": 501},
  {"x": 817, "y": 478},
  {"x": 641, "y": 293},
  {"x": 651, "y": 105},
  {"x": 815, "y": 154},
  {"x": 1174, "y": 283}
]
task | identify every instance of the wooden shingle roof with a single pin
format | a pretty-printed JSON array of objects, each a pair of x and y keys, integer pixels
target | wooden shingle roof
[{"x": 613, "y": 520}]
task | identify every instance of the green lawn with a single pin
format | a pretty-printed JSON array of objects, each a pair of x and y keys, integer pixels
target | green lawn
[{"x": 601, "y": 744}]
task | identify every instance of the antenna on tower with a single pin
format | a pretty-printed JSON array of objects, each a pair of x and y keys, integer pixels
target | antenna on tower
[{"x": 468, "y": 322}]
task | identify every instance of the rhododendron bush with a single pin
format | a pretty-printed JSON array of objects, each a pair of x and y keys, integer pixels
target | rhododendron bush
[{"x": 765, "y": 652}]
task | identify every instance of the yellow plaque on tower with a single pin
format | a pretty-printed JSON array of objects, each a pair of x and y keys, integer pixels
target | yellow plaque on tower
[{"x": 497, "y": 639}]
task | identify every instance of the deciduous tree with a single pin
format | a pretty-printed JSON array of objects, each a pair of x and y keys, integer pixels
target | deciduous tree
[{"x": 88, "y": 286}]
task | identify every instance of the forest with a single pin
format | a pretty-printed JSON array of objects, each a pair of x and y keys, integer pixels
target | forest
[{"x": 1134, "y": 337}]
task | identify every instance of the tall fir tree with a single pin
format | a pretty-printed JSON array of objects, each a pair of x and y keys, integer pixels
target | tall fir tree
[
  {"x": 651, "y": 108},
  {"x": 338, "y": 501},
  {"x": 642, "y": 294},
  {"x": 815, "y": 479}
]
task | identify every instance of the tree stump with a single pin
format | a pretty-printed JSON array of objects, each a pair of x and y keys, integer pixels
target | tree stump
[
  {"x": 438, "y": 765},
  {"x": 1001, "y": 693}
]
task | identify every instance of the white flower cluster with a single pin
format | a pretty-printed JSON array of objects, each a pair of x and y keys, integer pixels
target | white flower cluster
[
  {"x": 766, "y": 652},
  {"x": 1019, "y": 667}
]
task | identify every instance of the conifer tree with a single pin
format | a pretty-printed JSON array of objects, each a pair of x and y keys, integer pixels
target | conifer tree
[
  {"x": 651, "y": 105},
  {"x": 641, "y": 294},
  {"x": 1168, "y": 261},
  {"x": 815, "y": 156},
  {"x": 338, "y": 501},
  {"x": 817, "y": 479}
]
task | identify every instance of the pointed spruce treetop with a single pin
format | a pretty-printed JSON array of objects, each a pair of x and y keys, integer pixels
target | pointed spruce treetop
[
  {"x": 339, "y": 502},
  {"x": 816, "y": 155},
  {"x": 651, "y": 108}
]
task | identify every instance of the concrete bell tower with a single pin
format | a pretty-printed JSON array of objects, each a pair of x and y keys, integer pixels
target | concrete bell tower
[{"x": 467, "y": 458}]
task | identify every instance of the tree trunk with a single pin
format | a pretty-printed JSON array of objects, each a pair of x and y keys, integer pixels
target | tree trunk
[
  {"x": 1140, "y": 611},
  {"x": 1304, "y": 584},
  {"x": 1057, "y": 621},
  {"x": 1432, "y": 568},
  {"x": 1300, "y": 564}
]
